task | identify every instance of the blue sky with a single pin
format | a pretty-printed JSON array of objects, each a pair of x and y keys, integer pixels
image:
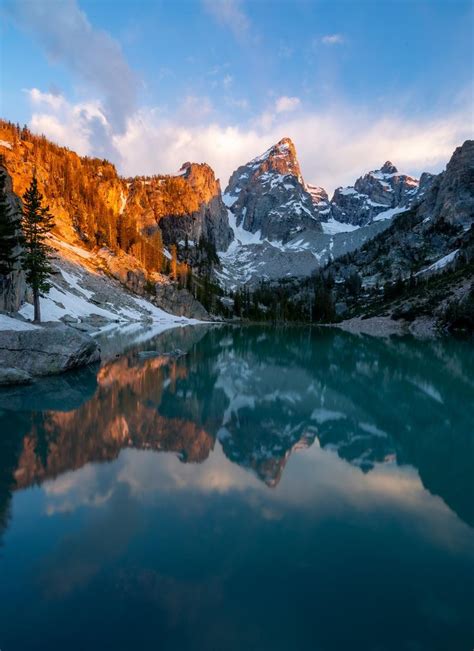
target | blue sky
[{"x": 152, "y": 84}]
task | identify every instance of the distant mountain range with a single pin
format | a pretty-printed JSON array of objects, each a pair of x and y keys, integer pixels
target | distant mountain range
[
  {"x": 269, "y": 224},
  {"x": 285, "y": 228}
]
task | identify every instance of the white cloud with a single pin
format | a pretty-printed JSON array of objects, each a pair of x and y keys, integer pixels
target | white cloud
[
  {"x": 334, "y": 145},
  {"x": 82, "y": 127},
  {"x": 285, "y": 104},
  {"x": 334, "y": 148},
  {"x": 194, "y": 109},
  {"x": 93, "y": 55},
  {"x": 333, "y": 39}
]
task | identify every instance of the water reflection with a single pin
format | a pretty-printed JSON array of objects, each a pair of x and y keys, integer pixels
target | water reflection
[
  {"x": 264, "y": 394},
  {"x": 298, "y": 486}
]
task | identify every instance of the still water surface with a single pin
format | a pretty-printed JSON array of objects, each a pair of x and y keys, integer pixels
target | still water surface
[{"x": 265, "y": 490}]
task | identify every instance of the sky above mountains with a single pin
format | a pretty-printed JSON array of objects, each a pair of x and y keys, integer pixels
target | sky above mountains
[{"x": 151, "y": 84}]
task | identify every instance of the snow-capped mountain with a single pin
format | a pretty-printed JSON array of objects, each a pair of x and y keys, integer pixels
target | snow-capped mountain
[
  {"x": 285, "y": 227},
  {"x": 268, "y": 197},
  {"x": 374, "y": 196},
  {"x": 319, "y": 196}
]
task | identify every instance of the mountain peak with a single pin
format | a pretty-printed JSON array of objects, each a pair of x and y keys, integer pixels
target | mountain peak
[
  {"x": 281, "y": 158},
  {"x": 318, "y": 195},
  {"x": 285, "y": 141},
  {"x": 268, "y": 195},
  {"x": 388, "y": 168},
  {"x": 284, "y": 147}
]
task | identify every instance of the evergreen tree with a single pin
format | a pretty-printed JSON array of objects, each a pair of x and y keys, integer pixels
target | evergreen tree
[
  {"x": 36, "y": 224},
  {"x": 9, "y": 224}
]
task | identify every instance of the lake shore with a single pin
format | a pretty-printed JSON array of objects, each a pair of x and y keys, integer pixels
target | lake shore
[{"x": 384, "y": 326}]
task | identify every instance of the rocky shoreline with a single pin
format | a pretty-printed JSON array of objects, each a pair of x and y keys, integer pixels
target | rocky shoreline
[
  {"x": 39, "y": 351},
  {"x": 384, "y": 326}
]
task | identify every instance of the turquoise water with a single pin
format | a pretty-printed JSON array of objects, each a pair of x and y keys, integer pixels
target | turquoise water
[{"x": 259, "y": 489}]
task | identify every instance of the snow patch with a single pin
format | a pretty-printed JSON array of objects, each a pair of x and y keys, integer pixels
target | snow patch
[
  {"x": 441, "y": 263},
  {"x": 229, "y": 200},
  {"x": 332, "y": 226},
  {"x": 388, "y": 214},
  {"x": 8, "y": 323},
  {"x": 73, "y": 281},
  {"x": 241, "y": 236},
  {"x": 324, "y": 415},
  {"x": 347, "y": 191},
  {"x": 123, "y": 201}
]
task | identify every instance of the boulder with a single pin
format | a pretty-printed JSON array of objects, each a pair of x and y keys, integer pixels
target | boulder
[
  {"x": 179, "y": 302},
  {"x": 11, "y": 375},
  {"x": 48, "y": 350},
  {"x": 64, "y": 392}
]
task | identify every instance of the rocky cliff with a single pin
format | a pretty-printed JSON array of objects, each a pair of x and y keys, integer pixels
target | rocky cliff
[
  {"x": 92, "y": 204},
  {"x": 187, "y": 205},
  {"x": 285, "y": 227},
  {"x": 373, "y": 195},
  {"x": 423, "y": 262},
  {"x": 268, "y": 195},
  {"x": 430, "y": 230},
  {"x": 116, "y": 226},
  {"x": 13, "y": 288},
  {"x": 450, "y": 196}
]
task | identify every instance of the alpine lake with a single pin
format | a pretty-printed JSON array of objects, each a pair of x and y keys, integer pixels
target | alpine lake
[{"x": 224, "y": 488}]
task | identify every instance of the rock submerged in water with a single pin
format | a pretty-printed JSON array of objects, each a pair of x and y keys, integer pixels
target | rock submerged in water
[
  {"x": 48, "y": 350},
  {"x": 145, "y": 354},
  {"x": 14, "y": 376}
]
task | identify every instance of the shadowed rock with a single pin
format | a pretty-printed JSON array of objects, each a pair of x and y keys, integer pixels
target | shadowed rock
[{"x": 48, "y": 350}]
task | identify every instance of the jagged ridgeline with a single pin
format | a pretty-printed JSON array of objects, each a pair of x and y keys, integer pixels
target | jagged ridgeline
[
  {"x": 95, "y": 207},
  {"x": 420, "y": 266}
]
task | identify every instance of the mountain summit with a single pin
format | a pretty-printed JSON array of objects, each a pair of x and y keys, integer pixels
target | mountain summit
[
  {"x": 268, "y": 197},
  {"x": 388, "y": 168},
  {"x": 281, "y": 159},
  {"x": 374, "y": 196}
]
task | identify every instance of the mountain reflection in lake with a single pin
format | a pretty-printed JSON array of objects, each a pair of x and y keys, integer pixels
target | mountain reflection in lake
[{"x": 317, "y": 494}]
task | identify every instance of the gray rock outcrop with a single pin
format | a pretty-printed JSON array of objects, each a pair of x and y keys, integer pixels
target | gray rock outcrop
[
  {"x": 372, "y": 194},
  {"x": 13, "y": 287},
  {"x": 207, "y": 219},
  {"x": 179, "y": 302},
  {"x": 268, "y": 195},
  {"x": 47, "y": 350},
  {"x": 10, "y": 375},
  {"x": 450, "y": 195}
]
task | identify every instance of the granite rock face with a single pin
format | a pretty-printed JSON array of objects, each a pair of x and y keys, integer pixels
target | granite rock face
[
  {"x": 268, "y": 195},
  {"x": 319, "y": 196},
  {"x": 195, "y": 208},
  {"x": 93, "y": 206},
  {"x": 10, "y": 375},
  {"x": 47, "y": 351},
  {"x": 372, "y": 195},
  {"x": 450, "y": 195},
  {"x": 13, "y": 288},
  {"x": 179, "y": 302},
  {"x": 435, "y": 235}
]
